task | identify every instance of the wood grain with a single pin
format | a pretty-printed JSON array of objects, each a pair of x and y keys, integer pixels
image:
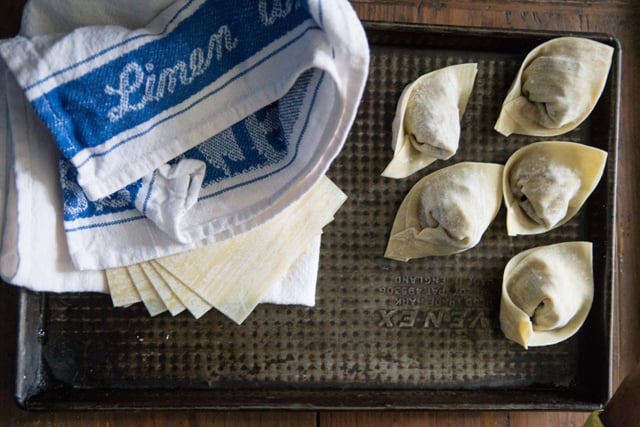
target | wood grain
[
  {"x": 457, "y": 419},
  {"x": 617, "y": 17}
]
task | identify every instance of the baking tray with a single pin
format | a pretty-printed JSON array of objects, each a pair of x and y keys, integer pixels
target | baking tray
[{"x": 384, "y": 334}]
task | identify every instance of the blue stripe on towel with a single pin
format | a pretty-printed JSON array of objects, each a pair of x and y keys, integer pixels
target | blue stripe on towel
[
  {"x": 295, "y": 147},
  {"x": 194, "y": 104},
  {"x": 132, "y": 89},
  {"x": 77, "y": 205},
  {"x": 103, "y": 224},
  {"x": 273, "y": 132}
]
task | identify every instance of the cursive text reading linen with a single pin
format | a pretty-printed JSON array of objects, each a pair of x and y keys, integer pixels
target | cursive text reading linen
[
  {"x": 153, "y": 86},
  {"x": 279, "y": 9}
]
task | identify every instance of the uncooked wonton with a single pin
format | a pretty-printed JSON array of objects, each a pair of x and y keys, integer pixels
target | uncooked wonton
[
  {"x": 546, "y": 183},
  {"x": 556, "y": 88},
  {"x": 446, "y": 212},
  {"x": 547, "y": 293},
  {"x": 426, "y": 126}
]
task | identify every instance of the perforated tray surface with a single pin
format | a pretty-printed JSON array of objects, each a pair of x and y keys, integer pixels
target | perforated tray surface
[{"x": 423, "y": 334}]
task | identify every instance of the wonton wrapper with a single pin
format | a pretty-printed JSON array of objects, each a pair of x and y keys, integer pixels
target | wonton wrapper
[
  {"x": 237, "y": 274},
  {"x": 427, "y": 122},
  {"x": 556, "y": 88},
  {"x": 547, "y": 293},
  {"x": 446, "y": 212},
  {"x": 234, "y": 275},
  {"x": 123, "y": 292},
  {"x": 148, "y": 294},
  {"x": 546, "y": 183}
]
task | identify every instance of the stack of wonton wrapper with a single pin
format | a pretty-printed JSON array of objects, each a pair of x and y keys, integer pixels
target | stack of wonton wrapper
[{"x": 198, "y": 220}]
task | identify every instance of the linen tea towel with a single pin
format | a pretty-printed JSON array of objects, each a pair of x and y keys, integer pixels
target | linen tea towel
[
  {"x": 35, "y": 218},
  {"x": 317, "y": 125},
  {"x": 33, "y": 247},
  {"x": 41, "y": 17},
  {"x": 34, "y": 252}
]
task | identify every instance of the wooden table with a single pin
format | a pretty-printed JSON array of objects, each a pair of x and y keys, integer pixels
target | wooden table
[{"x": 617, "y": 17}]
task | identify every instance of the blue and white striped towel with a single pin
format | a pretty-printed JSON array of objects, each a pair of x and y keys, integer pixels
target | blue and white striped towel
[
  {"x": 205, "y": 124},
  {"x": 33, "y": 249}
]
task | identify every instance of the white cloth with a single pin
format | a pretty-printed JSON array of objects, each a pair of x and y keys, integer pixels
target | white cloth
[
  {"x": 63, "y": 16},
  {"x": 299, "y": 285},
  {"x": 33, "y": 250},
  {"x": 7, "y": 216},
  {"x": 267, "y": 123},
  {"x": 33, "y": 246},
  {"x": 33, "y": 253}
]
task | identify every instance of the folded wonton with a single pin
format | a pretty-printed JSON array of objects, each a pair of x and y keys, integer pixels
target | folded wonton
[
  {"x": 556, "y": 87},
  {"x": 546, "y": 183},
  {"x": 547, "y": 293},
  {"x": 446, "y": 212},
  {"x": 427, "y": 122}
]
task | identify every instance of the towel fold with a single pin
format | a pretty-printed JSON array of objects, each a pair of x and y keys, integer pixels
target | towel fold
[
  {"x": 34, "y": 251},
  {"x": 262, "y": 93},
  {"x": 122, "y": 102},
  {"x": 171, "y": 191},
  {"x": 41, "y": 17}
]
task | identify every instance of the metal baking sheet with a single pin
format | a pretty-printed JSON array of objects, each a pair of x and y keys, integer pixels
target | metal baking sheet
[{"x": 384, "y": 334}]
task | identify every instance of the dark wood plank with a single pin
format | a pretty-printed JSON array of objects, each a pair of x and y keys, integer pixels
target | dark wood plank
[
  {"x": 457, "y": 419},
  {"x": 617, "y": 17}
]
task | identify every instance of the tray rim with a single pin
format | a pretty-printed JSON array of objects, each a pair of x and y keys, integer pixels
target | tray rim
[{"x": 31, "y": 390}]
